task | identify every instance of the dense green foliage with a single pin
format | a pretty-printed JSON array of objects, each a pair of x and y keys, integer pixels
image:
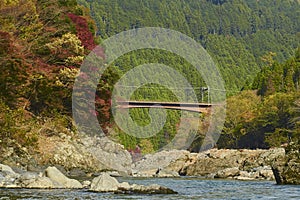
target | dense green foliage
[
  {"x": 268, "y": 116},
  {"x": 236, "y": 33},
  {"x": 43, "y": 43},
  {"x": 239, "y": 35}
]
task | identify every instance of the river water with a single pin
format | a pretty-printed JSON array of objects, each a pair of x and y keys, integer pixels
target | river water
[{"x": 188, "y": 188}]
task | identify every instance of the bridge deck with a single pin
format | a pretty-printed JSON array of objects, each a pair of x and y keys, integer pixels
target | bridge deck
[{"x": 193, "y": 107}]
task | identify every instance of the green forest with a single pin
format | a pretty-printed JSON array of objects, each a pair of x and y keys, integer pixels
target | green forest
[{"x": 255, "y": 45}]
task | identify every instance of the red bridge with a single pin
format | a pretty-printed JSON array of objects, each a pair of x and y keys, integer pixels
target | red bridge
[{"x": 193, "y": 107}]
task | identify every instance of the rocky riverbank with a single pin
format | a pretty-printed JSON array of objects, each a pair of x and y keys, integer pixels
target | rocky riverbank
[
  {"x": 75, "y": 155},
  {"x": 224, "y": 163},
  {"x": 52, "y": 178},
  {"x": 90, "y": 156}
]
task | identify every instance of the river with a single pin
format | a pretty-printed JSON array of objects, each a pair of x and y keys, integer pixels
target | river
[{"x": 187, "y": 188}]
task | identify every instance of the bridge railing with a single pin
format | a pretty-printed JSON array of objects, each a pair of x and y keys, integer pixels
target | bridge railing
[{"x": 144, "y": 93}]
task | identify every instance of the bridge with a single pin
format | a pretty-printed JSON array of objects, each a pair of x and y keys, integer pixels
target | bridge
[
  {"x": 201, "y": 107},
  {"x": 192, "y": 107}
]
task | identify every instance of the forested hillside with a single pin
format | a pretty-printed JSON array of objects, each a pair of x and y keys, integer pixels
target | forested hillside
[
  {"x": 236, "y": 33},
  {"x": 243, "y": 37},
  {"x": 43, "y": 44},
  {"x": 268, "y": 115}
]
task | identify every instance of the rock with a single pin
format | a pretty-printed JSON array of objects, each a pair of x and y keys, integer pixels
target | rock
[
  {"x": 266, "y": 173},
  {"x": 228, "y": 172},
  {"x": 151, "y": 189},
  {"x": 40, "y": 183},
  {"x": 170, "y": 160},
  {"x": 12, "y": 186},
  {"x": 243, "y": 178},
  {"x": 104, "y": 183},
  {"x": 164, "y": 173},
  {"x": 57, "y": 177},
  {"x": 86, "y": 184},
  {"x": 124, "y": 186},
  {"x": 7, "y": 176},
  {"x": 27, "y": 178},
  {"x": 114, "y": 173},
  {"x": 145, "y": 173},
  {"x": 112, "y": 155},
  {"x": 87, "y": 153},
  {"x": 272, "y": 155},
  {"x": 72, "y": 155},
  {"x": 219, "y": 161},
  {"x": 6, "y": 169},
  {"x": 287, "y": 169}
]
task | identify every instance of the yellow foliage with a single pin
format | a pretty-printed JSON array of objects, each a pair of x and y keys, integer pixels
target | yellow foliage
[
  {"x": 66, "y": 77},
  {"x": 67, "y": 41},
  {"x": 74, "y": 60},
  {"x": 9, "y": 3},
  {"x": 146, "y": 146}
]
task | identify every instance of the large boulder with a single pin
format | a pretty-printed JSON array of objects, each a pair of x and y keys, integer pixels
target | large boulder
[
  {"x": 106, "y": 183},
  {"x": 52, "y": 178},
  {"x": 8, "y": 177},
  {"x": 112, "y": 155},
  {"x": 59, "y": 178},
  {"x": 32, "y": 180},
  {"x": 287, "y": 169},
  {"x": 92, "y": 154}
]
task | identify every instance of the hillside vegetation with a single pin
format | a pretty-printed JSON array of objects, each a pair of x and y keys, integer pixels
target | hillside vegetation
[
  {"x": 236, "y": 33},
  {"x": 43, "y": 44},
  {"x": 243, "y": 37}
]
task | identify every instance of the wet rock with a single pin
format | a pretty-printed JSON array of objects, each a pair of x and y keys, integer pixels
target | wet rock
[
  {"x": 106, "y": 183},
  {"x": 57, "y": 177},
  {"x": 150, "y": 189}
]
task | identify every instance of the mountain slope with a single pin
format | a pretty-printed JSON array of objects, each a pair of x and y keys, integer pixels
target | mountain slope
[{"x": 236, "y": 33}]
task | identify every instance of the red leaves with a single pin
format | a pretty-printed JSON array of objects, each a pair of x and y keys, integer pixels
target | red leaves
[
  {"x": 5, "y": 43},
  {"x": 83, "y": 31}
]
